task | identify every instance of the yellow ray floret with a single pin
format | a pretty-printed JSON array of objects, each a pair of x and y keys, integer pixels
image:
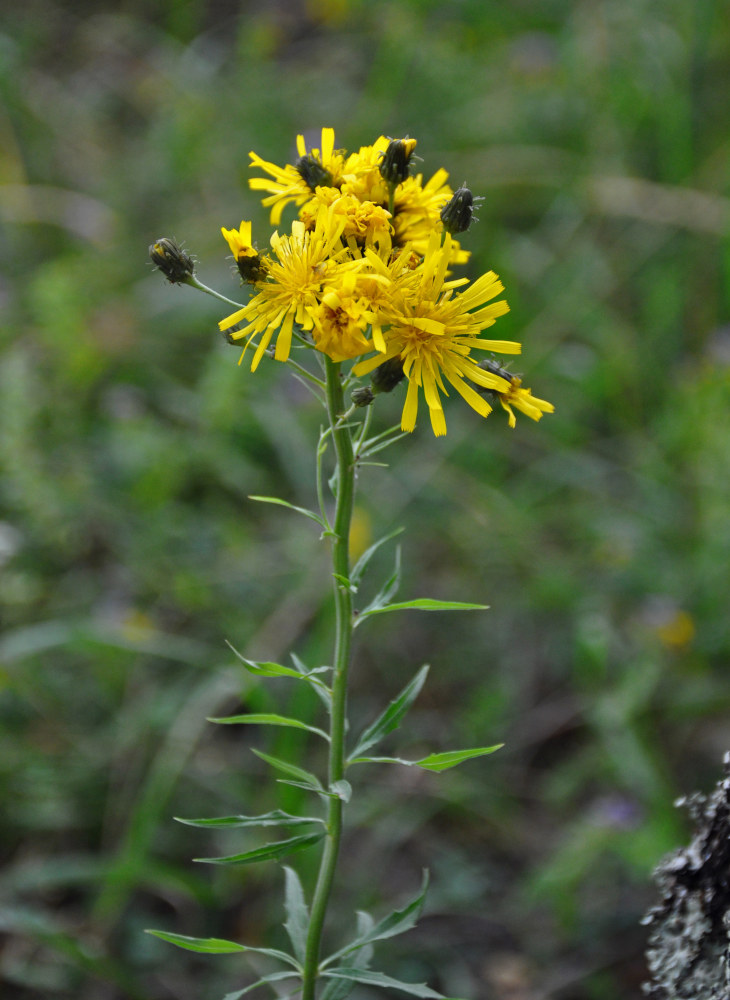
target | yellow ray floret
[{"x": 433, "y": 332}]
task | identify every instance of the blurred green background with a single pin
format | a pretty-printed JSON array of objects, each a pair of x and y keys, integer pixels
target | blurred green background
[{"x": 597, "y": 133}]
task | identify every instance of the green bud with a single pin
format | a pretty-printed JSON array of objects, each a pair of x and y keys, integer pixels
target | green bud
[
  {"x": 362, "y": 396},
  {"x": 456, "y": 214},
  {"x": 387, "y": 376},
  {"x": 396, "y": 161},
  {"x": 312, "y": 172},
  {"x": 170, "y": 258}
]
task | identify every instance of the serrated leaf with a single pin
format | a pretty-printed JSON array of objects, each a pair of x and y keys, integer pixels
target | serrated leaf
[
  {"x": 390, "y": 719},
  {"x": 443, "y": 761},
  {"x": 269, "y": 852},
  {"x": 419, "y": 604},
  {"x": 397, "y": 922},
  {"x": 297, "y": 914},
  {"x": 273, "y": 977},
  {"x": 267, "y": 719},
  {"x": 218, "y": 946},
  {"x": 386, "y": 982},
  {"x": 356, "y": 574},
  {"x": 306, "y": 777},
  {"x": 275, "y": 818},
  {"x": 285, "y": 503}
]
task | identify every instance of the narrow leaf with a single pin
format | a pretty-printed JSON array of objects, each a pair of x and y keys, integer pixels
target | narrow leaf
[
  {"x": 284, "y": 503},
  {"x": 395, "y": 923},
  {"x": 344, "y": 582},
  {"x": 268, "y": 852},
  {"x": 387, "y": 982},
  {"x": 275, "y": 818},
  {"x": 217, "y": 946},
  {"x": 297, "y": 914},
  {"x": 434, "y": 761},
  {"x": 388, "y": 590},
  {"x": 390, "y": 719},
  {"x": 268, "y": 669},
  {"x": 443, "y": 761},
  {"x": 273, "y": 977},
  {"x": 356, "y": 574},
  {"x": 268, "y": 719},
  {"x": 296, "y": 772},
  {"x": 419, "y": 604}
]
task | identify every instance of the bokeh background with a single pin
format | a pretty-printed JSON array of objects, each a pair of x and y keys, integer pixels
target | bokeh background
[{"x": 597, "y": 134}]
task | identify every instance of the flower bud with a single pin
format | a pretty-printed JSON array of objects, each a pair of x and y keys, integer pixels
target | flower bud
[
  {"x": 387, "y": 376},
  {"x": 456, "y": 214},
  {"x": 170, "y": 258},
  {"x": 396, "y": 161},
  {"x": 362, "y": 396},
  {"x": 312, "y": 172}
]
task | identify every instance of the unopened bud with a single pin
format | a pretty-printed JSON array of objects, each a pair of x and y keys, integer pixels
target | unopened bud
[
  {"x": 362, "y": 396},
  {"x": 387, "y": 376},
  {"x": 396, "y": 161},
  {"x": 456, "y": 214},
  {"x": 312, "y": 172},
  {"x": 170, "y": 258}
]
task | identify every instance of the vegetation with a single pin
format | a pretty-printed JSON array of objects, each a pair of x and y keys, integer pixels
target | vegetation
[{"x": 130, "y": 441}]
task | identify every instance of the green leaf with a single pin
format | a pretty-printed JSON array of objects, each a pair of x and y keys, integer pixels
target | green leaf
[
  {"x": 268, "y": 669},
  {"x": 269, "y": 852},
  {"x": 273, "y": 977},
  {"x": 434, "y": 761},
  {"x": 284, "y": 503},
  {"x": 358, "y": 569},
  {"x": 390, "y": 719},
  {"x": 395, "y": 923},
  {"x": 419, "y": 604},
  {"x": 443, "y": 761},
  {"x": 344, "y": 582},
  {"x": 297, "y": 914},
  {"x": 389, "y": 588},
  {"x": 217, "y": 946},
  {"x": 306, "y": 777},
  {"x": 275, "y": 818},
  {"x": 338, "y": 989},
  {"x": 387, "y": 982},
  {"x": 268, "y": 720},
  {"x": 320, "y": 688}
]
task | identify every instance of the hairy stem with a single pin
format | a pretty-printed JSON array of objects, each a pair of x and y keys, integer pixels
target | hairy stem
[{"x": 345, "y": 491}]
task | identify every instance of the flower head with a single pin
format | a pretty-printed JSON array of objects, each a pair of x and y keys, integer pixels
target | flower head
[
  {"x": 296, "y": 182},
  {"x": 433, "y": 332},
  {"x": 366, "y": 270},
  {"x": 251, "y": 266},
  {"x": 302, "y": 267}
]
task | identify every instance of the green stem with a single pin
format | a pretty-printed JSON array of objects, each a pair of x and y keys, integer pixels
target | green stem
[
  {"x": 194, "y": 283},
  {"x": 345, "y": 487}
]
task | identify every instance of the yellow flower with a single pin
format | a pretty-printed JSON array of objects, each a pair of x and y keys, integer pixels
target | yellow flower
[
  {"x": 340, "y": 322},
  {"x": 364, "y": 221},
  {"x": 434, "y": 331},
  {"x": 305, "y": 262},
  {"x": 515, "y": 395},
  {"x": 523, "y": 400},
  {"x": 252, "y": 267},
  {"x": 295, "y": 183}
]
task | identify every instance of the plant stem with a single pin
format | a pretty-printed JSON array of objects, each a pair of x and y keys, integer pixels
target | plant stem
[{"x": 345, "y": 491}]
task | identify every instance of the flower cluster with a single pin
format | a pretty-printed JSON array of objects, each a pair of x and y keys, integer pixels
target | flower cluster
[{"x": 365, "y": 274}]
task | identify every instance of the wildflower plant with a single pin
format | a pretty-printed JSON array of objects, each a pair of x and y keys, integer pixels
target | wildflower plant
[{"x": 358, "y": 298}]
